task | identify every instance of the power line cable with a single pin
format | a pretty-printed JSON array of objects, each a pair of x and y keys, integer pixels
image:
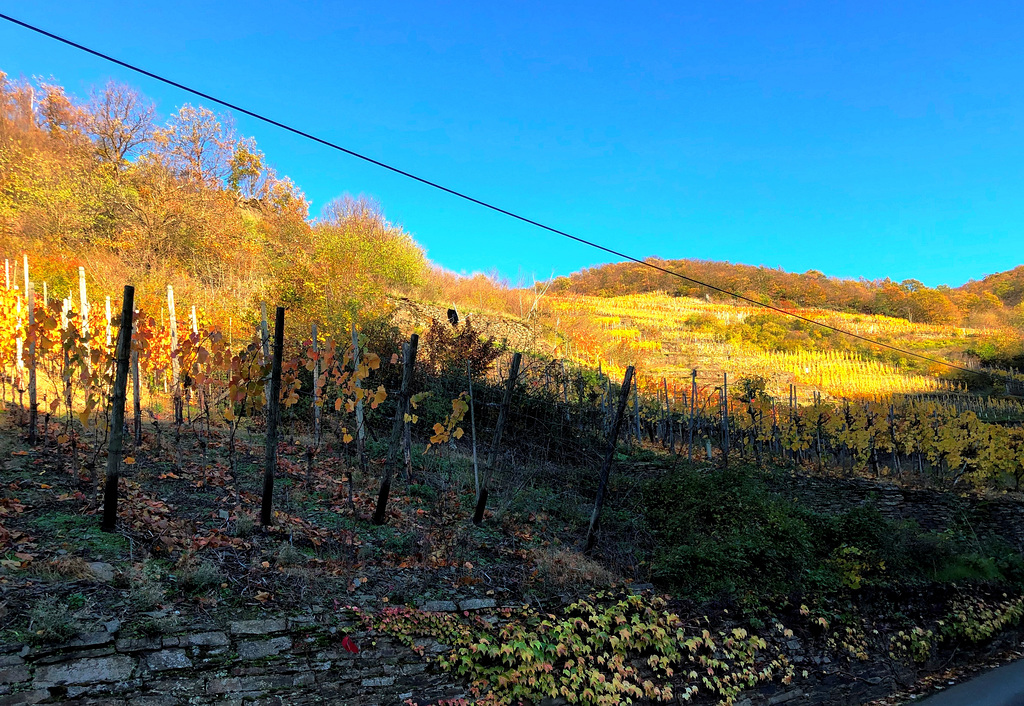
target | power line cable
[{"x": 479, "y": 202}]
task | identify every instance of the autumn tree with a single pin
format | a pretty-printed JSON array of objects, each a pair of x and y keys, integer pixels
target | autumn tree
[
  {"x": 197, "y": 146},
  {"x": 357, "y": 257},
  {"x": 120, "y": 122}
]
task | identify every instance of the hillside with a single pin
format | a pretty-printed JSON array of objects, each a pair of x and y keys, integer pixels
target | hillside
[
  {"x": 624, "y": 313},
  {"x": 990, "y": 301}
]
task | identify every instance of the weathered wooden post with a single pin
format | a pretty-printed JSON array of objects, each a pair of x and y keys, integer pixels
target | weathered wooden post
[
  {"x": 636, "y": 409},
  {"x": 360, "y": 428},
  {"x": 136, "y": 395},
  {"x": 316, "y": 388},
  {"x": 83, "y": 316},
  {"x": 725, "y": 419},
  {"x": 124, "y": 344},
  {"x": 265, "y": 338},
  {"x": 693, "y": 410},
  {"x": 33, "y": 410},
  {"x": 606, "y": 468},
  {"x": 109, "y": 332},
  {"x": 407, "y": 433},
  {"x": 380, "y": 512},
  {"x": 492, "y": 455},
  {"x": 472, "y": 425},
  {"x": 175, "y": 362},
  {"x": 273, "y": 412},
  {"x": 65, "y": 309},
  {"x": 670, "y": 430}
]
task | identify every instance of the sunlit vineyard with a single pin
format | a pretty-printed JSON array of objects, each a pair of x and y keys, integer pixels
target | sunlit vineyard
[{"x": 670, "y": 336}]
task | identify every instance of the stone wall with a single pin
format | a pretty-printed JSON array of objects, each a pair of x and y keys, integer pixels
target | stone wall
[
  {"x": 271, "y": 661},
  {"x": 932, "y": 510},
  {"x": 283, "y": 661}
]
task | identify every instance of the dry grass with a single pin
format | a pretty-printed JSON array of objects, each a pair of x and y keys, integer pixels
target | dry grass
[
  {"x": 64, "y": 568},
  {"x": 570, "y": 569}
]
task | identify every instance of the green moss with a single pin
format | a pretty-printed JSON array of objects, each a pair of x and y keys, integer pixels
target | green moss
[{"x": 80, "y": 530}]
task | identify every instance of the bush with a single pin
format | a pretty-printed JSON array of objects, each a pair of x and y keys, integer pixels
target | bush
[
  {"x": 57, "y": 619},
  {"x": 199, "y": 575},
  {"x": 726, "y": 533}
]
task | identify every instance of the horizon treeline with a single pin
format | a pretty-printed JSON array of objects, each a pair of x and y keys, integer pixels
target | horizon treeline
[{"x": 997, "y": 300}]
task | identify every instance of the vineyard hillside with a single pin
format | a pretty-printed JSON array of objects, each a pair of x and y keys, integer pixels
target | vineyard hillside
[{"x": 669, "y": 336}]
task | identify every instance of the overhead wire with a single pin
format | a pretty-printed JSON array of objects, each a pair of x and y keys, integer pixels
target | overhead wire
[{"x": 480, "y": 202}]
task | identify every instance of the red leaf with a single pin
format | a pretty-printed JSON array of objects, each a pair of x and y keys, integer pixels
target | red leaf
[{"x": 349, "y": 644}]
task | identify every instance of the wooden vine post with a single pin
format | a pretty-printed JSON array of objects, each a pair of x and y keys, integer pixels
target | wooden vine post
[
  {"x": 636, "y": 411},
  {"x": 606, "y": 468},
  {"x": 472, "y": 424},
  {"x": 136, "y": 394},
  {"x": 360, "y": 428},
  {"x": 316, "y": 388},
  {"x": 179, "y": 412},
  {"x": 33, "y": 407},
  {"x": 124, "y": 344},
  {"x": 492, "y": 455},
  {"x": 693, "y": 411},
  {"x": 83, "y": 316},
  {"x": 725, "y": 419},
  {"x": 273, "y": 412},
  {"x": 669, "y": 430},
  {"x": 265, "y": 342},
  {"x": 397, "y": 429}
]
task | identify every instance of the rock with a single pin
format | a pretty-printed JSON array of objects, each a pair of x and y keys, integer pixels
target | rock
[
  {"x": 259, "y": 649},
  {"x": 440, "y": 607},
  {"x": 166, "y": 660},
  {"x": 785, "y": 696},
  {"x": 102, "y": 571},
  {"x": 209, "y": 639},
  {"x": 259, "y": 627},
  {"x": 477, "y": 603},
  {"x": 86, "y": 671},
  {"x": 233, "y": 685},
  {"x": 378, "y": 681},
  {"x": 112, "y": 626},
  {"x": 13, "y": 675},
  {"x": 78, "y": 654},
  {"x": 25, "y": 697},
  {"x": 138, "y": 644}
]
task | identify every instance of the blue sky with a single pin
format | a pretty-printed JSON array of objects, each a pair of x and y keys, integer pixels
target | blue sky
[{"x": 859, "y": 139}]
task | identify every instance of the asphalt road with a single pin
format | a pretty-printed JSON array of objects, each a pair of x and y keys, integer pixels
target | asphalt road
[{"x": 1000, "y": 687}]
